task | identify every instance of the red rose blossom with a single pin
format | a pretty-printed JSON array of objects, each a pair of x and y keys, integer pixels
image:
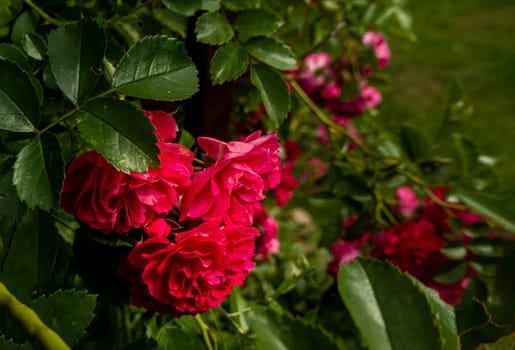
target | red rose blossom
[
  {"x": 195, "y": 273},
  {"x": 109, "y": 200},
  {"x": 413, "y": 246},
  {"x": 228, "y": 188},
  {"x": 268, "y": 241}
]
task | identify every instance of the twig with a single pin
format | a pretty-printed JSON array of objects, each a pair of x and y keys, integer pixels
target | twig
[
  {"x": 46, "y": 16},
  {"x": 30, "y": 321}
]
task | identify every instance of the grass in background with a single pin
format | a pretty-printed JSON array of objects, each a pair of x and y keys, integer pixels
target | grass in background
[{"x": 474, "y": 40}]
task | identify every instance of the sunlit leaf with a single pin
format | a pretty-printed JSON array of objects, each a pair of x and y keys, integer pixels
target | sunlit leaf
[{"x": 156, "y": 68}]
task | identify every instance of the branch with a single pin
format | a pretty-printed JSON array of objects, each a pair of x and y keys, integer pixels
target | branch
[{"x": 30, "y": 321}]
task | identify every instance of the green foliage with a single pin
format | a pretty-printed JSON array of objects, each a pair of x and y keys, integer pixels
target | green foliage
[
  {"x": 282, "y": 331},
  {"x": 8, "y": 10},
  {"x": 256, "y": 22},
  {"x": 271, "y": 52},
  {"x": 76, "y": 54},
  {"x": 14, "y": 54},
  {"x": 77, "y": 75},
  {"x": 393, "y": 310},
  {"x": 500, "y": 209},
  {"x": 229, "y": 62},
  {"x": 171, "y": 337},
  {"x": 274, "y": 92},
  {"x": 156, "y": 68},
  {"x": 39, "y": 172},
  {"x": 121, "y": 132},
  {"x": 213, "y": 28},
  {"x": 31, "y": 256},
  {"x": 183, "y": 7},
  {"x": 19, "y": 105},
  {"x": 69, "y": 312}
]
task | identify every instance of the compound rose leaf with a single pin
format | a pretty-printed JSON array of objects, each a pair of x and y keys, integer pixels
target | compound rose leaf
[
  {"x": 156, "y": 68},
  {"x": 76, "y": 54}
]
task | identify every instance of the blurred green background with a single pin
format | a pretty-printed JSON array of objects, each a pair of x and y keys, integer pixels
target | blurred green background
[{"x": 475, "y": 41}]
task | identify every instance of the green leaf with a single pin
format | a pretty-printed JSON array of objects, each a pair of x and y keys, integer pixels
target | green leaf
[
  {"x": 228, "y": 63},
  {"x": 393, "y": 310},
  {"x": 67, "y": 312},
  {"x": 174, "y": 21},
  {"x": 238, "y": 307},
  {"x": 274, "y": 92},
  {"x": 499, "y": 209},
  {"x": 213, "y": 28},
  {"x": 238, "y": 5},
  {"x": 171, "y": 337},
  {"x": 16, "y": 55},
  {"x": 31, "y": 255},
  {"x": 467, "y": 152},
  {"x": 34, "y": 45},
  {"x": 76, "y": 54},
  {"x": 271, "y": 52},
  {"x": 503, "y": 343},
  {"x": 8, "y": 10},
  {"x": 256, "y": 22},
  {"x": 187, "y": 139},
  {"x": 19, "y": 105},
  {"x": 183, "y": 7},
  {"x": 157, "y": 68},
  {"x": 10, "y": 345},
  {"x": 210, "y": 5},
  {"x": 25, "y": 23},
  {"x": 39, "y": 172},
  {"x": 284, "y": 332},
  {"x": 414, "y": 142},
  {"x": 121, "y": 133}
]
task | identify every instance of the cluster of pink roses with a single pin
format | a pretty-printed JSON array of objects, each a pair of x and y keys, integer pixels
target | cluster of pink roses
[
  {"x": 415, "y": 245},
  {"x": 326, "y": 79},
  {"x": 199, "y": 240}
]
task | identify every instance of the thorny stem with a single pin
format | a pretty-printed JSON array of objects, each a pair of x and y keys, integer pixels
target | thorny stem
[
  {"x": 46, "y": 16},
  {"x": 58, "y": 120},
  {"x": 333, "y": 126},
  {"x": 73, "y": 111},
  {"x": 337, "y": 128},
  {"x": 327, "y": 37},
  {"x": 418, "y": 181},
  {"x": 30, "y": 321},
  {"x": 204, "y": 328}
]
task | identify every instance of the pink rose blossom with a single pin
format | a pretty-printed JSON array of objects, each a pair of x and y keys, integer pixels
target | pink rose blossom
[
  {"x": 158, "y": 228},
  {"x": 109, "y": 200},
  {"x": 331, "y": 91},
  {"x": 343, "y": 252},
  {"x": 193, "y": 274},
  {"x": 241, "y": 172},
  {"x": 371, "y": 95},
  {"x": 408, "y": 202},
  {"x": 268, "y": 242},
  {"x": 284, "y": 191},
  {"x": 381, "y": 50}
]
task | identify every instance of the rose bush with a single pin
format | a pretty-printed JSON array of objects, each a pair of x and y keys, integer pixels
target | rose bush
[
  {"x": 175, "y": 174},
  {"x": 110, "y": 200},
  {"x": 194, "y": 273}
]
